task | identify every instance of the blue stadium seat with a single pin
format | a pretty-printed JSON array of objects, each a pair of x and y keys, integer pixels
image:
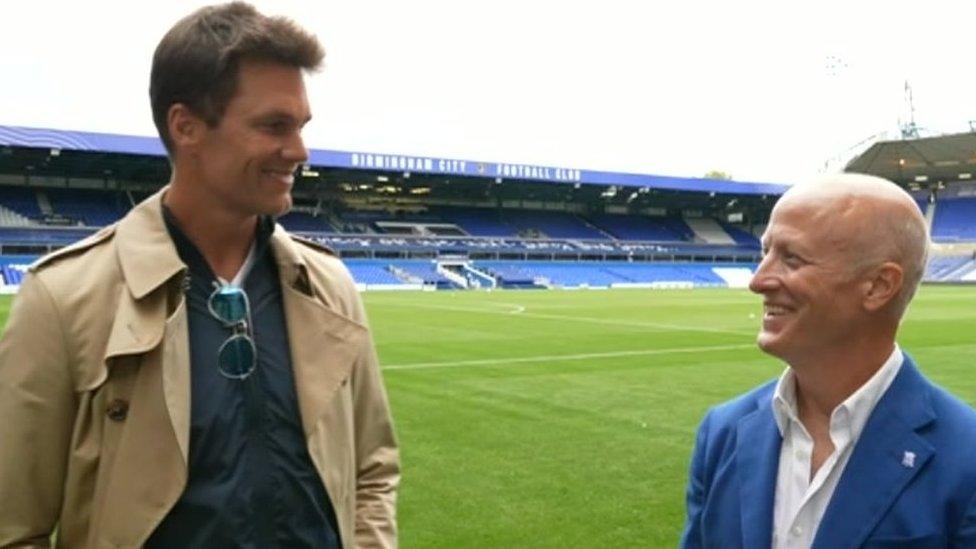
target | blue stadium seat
[
  {"x": 94, "y": 208},
  {"x": 955, "y": 220}
]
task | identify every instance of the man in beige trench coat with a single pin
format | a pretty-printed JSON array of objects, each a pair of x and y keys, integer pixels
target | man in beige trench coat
[{"x": 194, "y": 375}]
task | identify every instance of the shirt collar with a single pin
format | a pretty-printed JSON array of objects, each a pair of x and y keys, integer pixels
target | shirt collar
[{"x": 857, "y": 407}]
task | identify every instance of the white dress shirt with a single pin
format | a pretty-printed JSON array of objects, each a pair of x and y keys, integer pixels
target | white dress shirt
[{"x": 801, "y": 501}]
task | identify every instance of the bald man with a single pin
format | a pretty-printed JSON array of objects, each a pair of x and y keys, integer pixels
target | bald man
[{"x": 851, "y": 446}]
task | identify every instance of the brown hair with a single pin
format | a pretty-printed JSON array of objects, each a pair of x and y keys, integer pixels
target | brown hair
[{"x": 198, "y": 60}]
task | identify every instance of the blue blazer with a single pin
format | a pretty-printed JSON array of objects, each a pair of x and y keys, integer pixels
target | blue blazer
[{"x": 882, "y": 498}]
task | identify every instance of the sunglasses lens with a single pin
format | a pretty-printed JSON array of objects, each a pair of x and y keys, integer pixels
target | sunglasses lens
[
  {"x": 229, "y": 304},
  {"x": 236, "y": 358}
]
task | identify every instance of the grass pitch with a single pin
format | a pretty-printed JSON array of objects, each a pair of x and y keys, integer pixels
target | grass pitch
[{"x": 566, "y": 418}]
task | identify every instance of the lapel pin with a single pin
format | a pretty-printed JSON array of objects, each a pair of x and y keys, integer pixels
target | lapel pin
[{"x": 908, "y": 459}]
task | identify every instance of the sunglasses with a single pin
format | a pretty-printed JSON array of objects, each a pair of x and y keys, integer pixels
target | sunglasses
[{"x": 237, "y": 356}]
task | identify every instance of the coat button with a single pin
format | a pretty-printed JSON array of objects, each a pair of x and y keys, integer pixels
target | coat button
[{"x": 117, "y": 409}]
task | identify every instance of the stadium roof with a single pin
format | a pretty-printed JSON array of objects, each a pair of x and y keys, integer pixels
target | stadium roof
[
  {"x": 923, "y": 162},
  {"x": 16, "y": 136}
]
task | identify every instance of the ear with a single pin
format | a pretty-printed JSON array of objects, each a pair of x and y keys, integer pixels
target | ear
[
  {"x": 185, "y": 128},
  {"x": 882, "y": 285}
]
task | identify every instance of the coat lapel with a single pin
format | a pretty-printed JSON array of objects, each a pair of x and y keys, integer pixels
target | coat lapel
[
  {"x": 149, "y": 263},
  {"x": 886, "y": 458},
  {"x": 324, "y": 344},
  {"x": 152, "y": 449},
  {"x": 757, "y": 464}
]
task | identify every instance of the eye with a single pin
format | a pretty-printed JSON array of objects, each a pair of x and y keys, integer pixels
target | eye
[
  {"x": 277, "y": 127},
  {"x": 792, "y": 259}
]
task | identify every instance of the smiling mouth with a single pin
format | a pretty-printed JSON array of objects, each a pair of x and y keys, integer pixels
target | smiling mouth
[
  {"x": 287, "y": 177},
  {"x": 772, "y": 312}
]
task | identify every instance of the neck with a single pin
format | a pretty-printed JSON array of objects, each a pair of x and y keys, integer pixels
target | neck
[
  {"x": 222, "y": 236},
  {"x": 824, "y": 383}
]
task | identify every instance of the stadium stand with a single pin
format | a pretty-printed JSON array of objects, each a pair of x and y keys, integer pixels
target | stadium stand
[
  {"x": 709, "y": 231},
  {"x": 955, "y": 220},
  {"x": 544, "y": 224},
  {"x": 634, "y": 227},
  {"x": 304, "y": 222},
  {"x": 923, "y": 203},
  {"x": 12, "y": 270},
  {"x": 93, "y": 208},
  {"x": 664, "y": 249},
  {"x": 477, "y": 221},
  {"x": 490, "y": 222},
  {"x": 21, "y": 200},
  {"x": 601, "y": 274},
  {"x": 10, "y": 218},
  {"x": 511, "y": 274},
  {"x": 741, "y": 237},
  {"x": 950, "y": 268},
  {"x": 460, "y": 230},
  {"x": 423, "y": 271},
  {"x": 42, "y": 236},
  {"x": 371, "y": 272},
  {"x": 700, "y": 275}
]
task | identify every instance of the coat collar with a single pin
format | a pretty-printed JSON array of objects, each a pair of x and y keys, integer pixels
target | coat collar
[
  {"x": 148, "y": 257},
  {"x": 324, "y": 342},
  {"x": 146, "y": 251},
  {"x": 889, "y": 454}
]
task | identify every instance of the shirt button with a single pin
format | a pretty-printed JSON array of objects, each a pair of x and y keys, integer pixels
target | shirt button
[
  {"x": 797, "y": 531},
  {"x": 117, "y": 410}
]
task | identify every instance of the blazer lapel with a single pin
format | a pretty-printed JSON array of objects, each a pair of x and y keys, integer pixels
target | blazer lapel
[
  {"x": 886, "y": 458},
  {"x": 757, "y": 464}
]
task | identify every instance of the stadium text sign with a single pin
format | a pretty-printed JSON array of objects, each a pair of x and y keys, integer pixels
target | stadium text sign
[{"x": 461, "y": 167}]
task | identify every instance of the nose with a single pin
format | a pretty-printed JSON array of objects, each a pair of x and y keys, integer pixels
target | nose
[
  {"x": 294, "y": 149},
  {"x": 763, "y": 280}
]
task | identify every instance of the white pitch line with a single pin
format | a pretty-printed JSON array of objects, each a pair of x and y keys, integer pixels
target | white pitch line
[
  {"x": 514, "y": 308},
  {"x": 610, "y": 322},
  {"x": 552, "y": 358}
]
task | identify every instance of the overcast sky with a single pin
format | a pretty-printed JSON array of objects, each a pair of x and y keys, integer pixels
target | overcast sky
[{"x": 766, "y": 91}]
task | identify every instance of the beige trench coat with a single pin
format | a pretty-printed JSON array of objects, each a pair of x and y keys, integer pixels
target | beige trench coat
[{"x": 95, "y": 391}]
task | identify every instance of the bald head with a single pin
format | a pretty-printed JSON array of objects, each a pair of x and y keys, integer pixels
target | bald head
[{"x": 869, "y": 219}]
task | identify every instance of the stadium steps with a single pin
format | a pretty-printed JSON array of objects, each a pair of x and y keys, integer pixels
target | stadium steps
[
  {"x": 10, "y": 218},
  {"x": 961, "y": 272},
  {"x": 452, "y": 275},
  {"x": 44, "y": 203},
  {"x": 586, "y": 221},
  {"x": 970, "y": 274},
  {"x": 404, "y": 276},
  {"x": 709, "y": 231},
  {"x": 483, "y": 277},
  {"x": 929, "y": 212}
]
